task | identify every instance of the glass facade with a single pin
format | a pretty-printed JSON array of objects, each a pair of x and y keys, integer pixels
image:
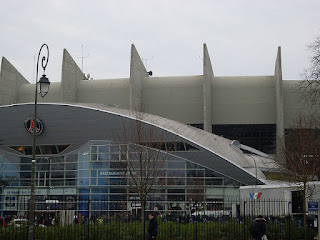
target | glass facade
[
  {"x": 259, "y": 136},
  {"x": 105, "y": 170}
]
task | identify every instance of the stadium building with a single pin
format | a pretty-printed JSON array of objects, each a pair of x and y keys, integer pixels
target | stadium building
[{"x": 216, "y": 132}]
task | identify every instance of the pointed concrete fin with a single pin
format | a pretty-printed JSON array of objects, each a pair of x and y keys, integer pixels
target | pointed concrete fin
[
  {"x": 137, "y": 73},
  {"x": 207, "y": 66},
  {"x": 207, "y": 92},
  {"x": 280, "y": 143},
  {"x": 278, "y": 66},
  {"x": 136, "y": 60},
  {"x": 70, "y": 77},
  {"x": 10, "y": 82}
]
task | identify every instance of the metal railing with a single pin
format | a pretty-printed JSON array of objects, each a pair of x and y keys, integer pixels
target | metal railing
[{"x": 70, "y": 218}]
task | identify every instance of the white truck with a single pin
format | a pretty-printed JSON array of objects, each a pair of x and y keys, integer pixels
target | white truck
[{"x": 278, "y": 199}]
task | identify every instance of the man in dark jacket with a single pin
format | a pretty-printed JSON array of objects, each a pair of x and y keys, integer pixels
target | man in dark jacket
[
  {"x": 258, "y": 228},
  {"x": 153, "y": 226}
]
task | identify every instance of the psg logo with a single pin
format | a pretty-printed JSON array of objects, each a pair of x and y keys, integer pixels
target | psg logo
[{"x": 29, "y": 125}]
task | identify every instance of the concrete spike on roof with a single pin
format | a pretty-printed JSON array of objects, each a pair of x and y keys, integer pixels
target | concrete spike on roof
[
  {"x": 207, "y": 90},
  {"x": 10, "y": 82},
  {"x": 70, "y": 77},
  {"x": 279, "y": 107},
  {"x": 137, "y": 73}
]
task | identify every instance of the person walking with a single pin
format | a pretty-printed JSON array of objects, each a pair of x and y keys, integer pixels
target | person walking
[
  {"x": 153, "y": 227},
  {"x": 258, "y": 228}
]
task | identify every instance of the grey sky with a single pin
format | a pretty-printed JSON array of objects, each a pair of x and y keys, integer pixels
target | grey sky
[{"x": 242, "y": 35}]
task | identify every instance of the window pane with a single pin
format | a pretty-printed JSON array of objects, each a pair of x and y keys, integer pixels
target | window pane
[
  {"x": 103, "y": 156},
  {"x": 102, "y": 181},
  {"x": 94, "y": 157},
  {"x": 191, "y": 165},
  {"x": 214, "y": 181},
  {"x": 176, "y": 173},
  {"x": 176, "y": 164},
  {"x": 195, "y": 181},
  {"x": 104, "y": 149},
  {"x": 195, "y": 173},
  {"x": 179, "y": 146},
  {"x": 119, "y": 165},
  {"x": 94, "y": 149}
]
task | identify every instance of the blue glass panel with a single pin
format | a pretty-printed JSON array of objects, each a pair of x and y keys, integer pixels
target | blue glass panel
[
  {"x": 84, "y": 174},
  {"x": 10, "y": 167},
  {"x": 99, "y": 190},
  {"x": 83, "y": 203},
  {"x": 94, "y": 149},
  {"x": 102, "y": 181},
  {"x": 114, "y": 148},
  {"x": 84, "y": 165},
  {"x": 93, "y": 173},
  {"x": 93, "y": 181},
  {"x": 103, "y": 156},
  {"x": 117, "y": 181},
  {"x": 99, "y": 165},
  {"x": 104, "y": 149}
]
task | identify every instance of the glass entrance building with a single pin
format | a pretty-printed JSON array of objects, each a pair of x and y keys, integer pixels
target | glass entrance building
[{"x": 81, "y": 157}]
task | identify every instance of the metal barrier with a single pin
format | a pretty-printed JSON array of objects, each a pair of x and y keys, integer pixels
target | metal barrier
[{"x": 98, "y": 218}]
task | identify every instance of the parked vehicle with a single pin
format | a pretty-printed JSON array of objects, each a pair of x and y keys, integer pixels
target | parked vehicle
[{"x": 19, "y": 222}]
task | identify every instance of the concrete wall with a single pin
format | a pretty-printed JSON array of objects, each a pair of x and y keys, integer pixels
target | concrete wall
[
  {"x": 26, "y": 93},
  {"x": 293, "y": 104},
  {"x": 243, "y": 100},
  {"x": 10, "y": 82},
  {"x": 111, "y": 91},
  {"x": 178, "y": 98}
]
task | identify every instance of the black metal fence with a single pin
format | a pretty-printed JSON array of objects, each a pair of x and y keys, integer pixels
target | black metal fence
[{"x": 84, "y": 218}]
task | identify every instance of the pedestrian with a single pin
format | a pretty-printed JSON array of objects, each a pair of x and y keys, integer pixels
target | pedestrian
[
  {"x": 153, "y": 227},
  {"x": 258, "y": 228}
]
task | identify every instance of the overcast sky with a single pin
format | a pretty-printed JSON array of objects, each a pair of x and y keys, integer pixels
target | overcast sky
[{"x": 242, "y": 36}]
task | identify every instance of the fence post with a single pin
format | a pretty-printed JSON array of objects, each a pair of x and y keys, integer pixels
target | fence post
[
  {"x": 196, "y": 230},
  {"x": 289, "y": 219},
  {"x": 88, "y": 221},
  {"x": 319, "y": 219},
  {"x": 244, "y": 220}
]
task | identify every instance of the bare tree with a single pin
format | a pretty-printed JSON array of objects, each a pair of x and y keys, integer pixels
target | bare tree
[
  {"x": 145, "y": 159},
  {"x": 310, "y": 86},
  {"x": 302, "y": 154}
]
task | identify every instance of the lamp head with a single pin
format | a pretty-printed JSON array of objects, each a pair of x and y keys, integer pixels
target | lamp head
[{"x": 43, "y": 85}]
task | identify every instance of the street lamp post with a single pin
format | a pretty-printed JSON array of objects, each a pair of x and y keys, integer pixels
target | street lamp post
[{"x": 42, "y": 87}]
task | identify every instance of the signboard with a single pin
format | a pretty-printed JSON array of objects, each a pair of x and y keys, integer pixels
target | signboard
[
  {"x": 30, "y": 125},
  {"x": 313, "y": 206},
  {"x": 136, "y": 205},
  {"x": 256, "y": 195},
  {"x": 52, "y": 191},
  {"x": 111, "y": 173}
]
